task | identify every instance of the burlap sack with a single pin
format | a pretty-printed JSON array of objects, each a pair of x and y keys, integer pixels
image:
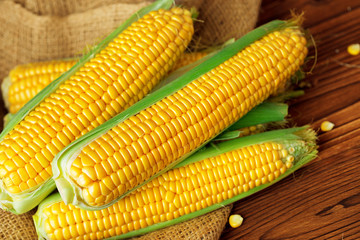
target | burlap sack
[
  {"x": 224, "y": 19},
  {"x": 33, "y": 34},
  {"x": 17, "y": 227},
  {"x": 36, "y": 30},
  {"x": 66, "y": 7},
  {"x": 209, "y": 226},
  {"x": 26, "y": 37}
]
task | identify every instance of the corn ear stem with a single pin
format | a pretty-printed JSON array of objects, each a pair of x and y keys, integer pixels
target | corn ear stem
[
  {"x": 20, "y": 203},
  {"x": 71, "y": 193}
]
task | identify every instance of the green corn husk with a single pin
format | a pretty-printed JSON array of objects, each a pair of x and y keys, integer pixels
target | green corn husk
[
  {"x": 23, "y": 202},
  {"x": 301, "y": 140},
  {"x": 71, "y": 193},
  {"x": 263, "y": 114}
]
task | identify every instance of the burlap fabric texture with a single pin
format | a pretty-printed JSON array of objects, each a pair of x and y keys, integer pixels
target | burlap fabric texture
[
  {"x": 38, "y": 30},
  {"x": 19, "y": 227}
]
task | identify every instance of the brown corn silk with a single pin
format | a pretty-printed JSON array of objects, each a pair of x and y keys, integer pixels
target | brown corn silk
[
  {"x": 178, "y": 192},
  {"x": 144, "y": 144},
  {"x": 120, "y": 75}
]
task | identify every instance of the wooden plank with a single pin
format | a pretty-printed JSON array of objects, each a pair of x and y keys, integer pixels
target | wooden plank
[
  {"x": 321, "y": 200},
  {"x": 318, "y": 11}
]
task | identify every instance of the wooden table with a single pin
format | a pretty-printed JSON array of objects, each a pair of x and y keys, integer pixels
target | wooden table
[{"x": 321, "y": 200}]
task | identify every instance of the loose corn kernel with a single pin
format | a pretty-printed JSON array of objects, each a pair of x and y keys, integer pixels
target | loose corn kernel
[
  {"x": 327, "y": 126},
  {"x": 354, "y": 49},
  {"x": 235, "y": 220}
]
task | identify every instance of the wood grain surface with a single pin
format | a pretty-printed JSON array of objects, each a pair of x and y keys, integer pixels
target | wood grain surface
[{"x": 321, "y": 200}]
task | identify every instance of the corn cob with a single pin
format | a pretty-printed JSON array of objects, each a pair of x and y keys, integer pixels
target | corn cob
[
  {"x": 25, "y": 81},
  {"x": 29, "y": 79},
  {"x": 204, "y": 182},
  {"x": 124, "y": 153},
  {"x": 119, "y": 75}
]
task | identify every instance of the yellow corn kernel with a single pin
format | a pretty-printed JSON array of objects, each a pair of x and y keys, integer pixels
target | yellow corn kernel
[
  {"x": 247, "y": 131},
  {"x": 220, "y": 113},
  {"x": 80, "y": 103},
  {"x": 235, "y": 220},
  {"x": 327, "y": 126},
  {"x": 354, "y": 49}
]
